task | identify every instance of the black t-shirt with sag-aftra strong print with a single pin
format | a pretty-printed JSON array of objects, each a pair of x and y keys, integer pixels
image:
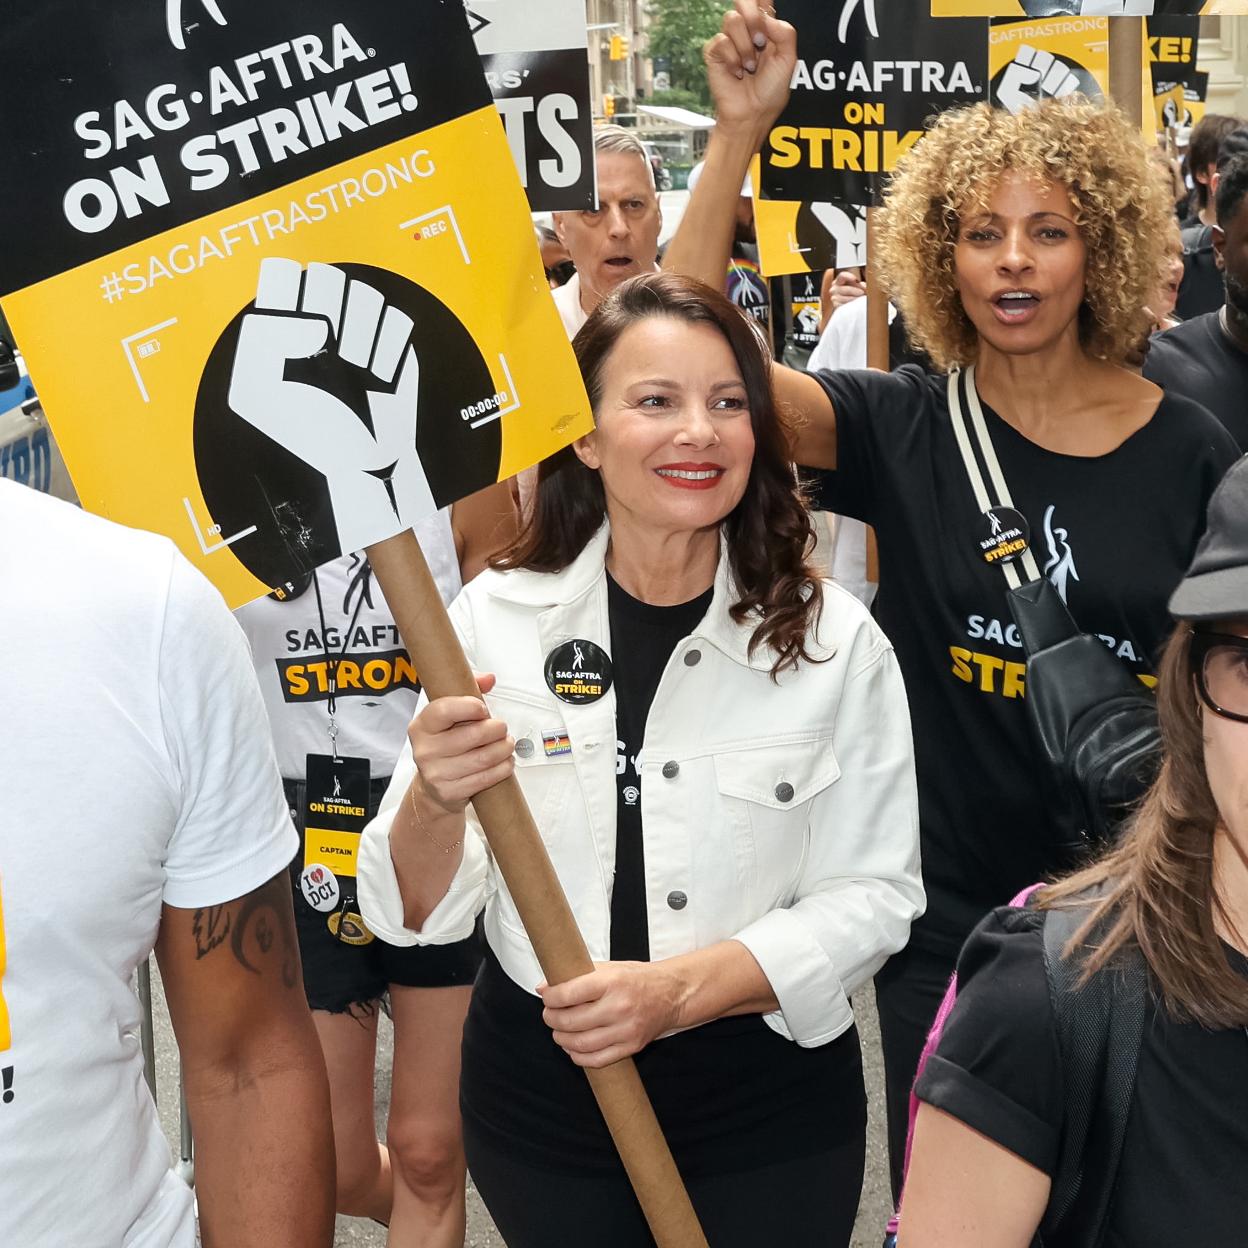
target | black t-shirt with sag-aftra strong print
[{"x": 1114, "y": 533}]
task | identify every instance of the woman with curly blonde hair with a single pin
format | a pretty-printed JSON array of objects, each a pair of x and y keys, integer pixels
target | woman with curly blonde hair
[{"x": 1027, "y": 246}]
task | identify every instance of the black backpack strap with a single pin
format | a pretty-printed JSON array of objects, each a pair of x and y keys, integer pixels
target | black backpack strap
[{"x": 1100, "y": 1025}]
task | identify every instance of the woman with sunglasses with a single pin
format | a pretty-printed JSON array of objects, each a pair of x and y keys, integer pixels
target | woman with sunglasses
[{"x": 1174, "y": 894}]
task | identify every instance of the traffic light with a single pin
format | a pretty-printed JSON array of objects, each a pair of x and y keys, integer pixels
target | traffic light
[
  {"x": 608, "y": 106},
  {"x": 619, "y": 48}
]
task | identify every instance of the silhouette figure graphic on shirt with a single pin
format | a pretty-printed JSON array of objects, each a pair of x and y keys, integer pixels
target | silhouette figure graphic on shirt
[{"x": 1060, "y": 567}]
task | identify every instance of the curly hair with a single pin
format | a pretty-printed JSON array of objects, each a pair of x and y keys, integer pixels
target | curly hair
[
  {"x": 768, "y": 534},
  {"x": 1088, "y": 148}
]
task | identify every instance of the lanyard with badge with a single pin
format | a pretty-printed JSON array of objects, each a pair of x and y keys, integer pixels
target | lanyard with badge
[{"x": 335, "y": 803}]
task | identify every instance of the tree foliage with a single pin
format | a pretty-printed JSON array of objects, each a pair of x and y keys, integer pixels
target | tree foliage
[{"x": 678, "y": 31}]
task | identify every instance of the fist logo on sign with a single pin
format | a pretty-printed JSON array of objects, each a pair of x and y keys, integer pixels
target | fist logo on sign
[
  {"x": 339, "y": 335},
  {"x": 1088, "y": 8},
  {"x": 808, "y": 322},
  {"x": 1034, "y": 75},
  {"x": 847, "y": 225}
]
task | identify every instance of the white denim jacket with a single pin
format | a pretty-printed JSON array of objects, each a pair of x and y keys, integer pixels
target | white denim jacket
[{"x": 789, "y": 821}]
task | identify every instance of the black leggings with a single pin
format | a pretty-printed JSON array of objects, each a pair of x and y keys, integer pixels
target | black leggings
[
  {"x": 908, "y": 992},
  {"x": 809, "y": 1200}
]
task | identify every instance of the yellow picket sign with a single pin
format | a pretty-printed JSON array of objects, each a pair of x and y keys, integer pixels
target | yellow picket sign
[
  {"x": 290, "y": 302},
  {"x": 1078, "y": 8}
]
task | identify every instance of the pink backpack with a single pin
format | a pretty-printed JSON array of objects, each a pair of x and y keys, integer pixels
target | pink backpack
[
  {"x": 1099, "y": 1026},
  {"x": 930, "y": 1045}
]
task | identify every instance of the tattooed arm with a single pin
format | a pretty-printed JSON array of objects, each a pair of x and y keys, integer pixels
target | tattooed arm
[{"x": 255, "y": 1078}]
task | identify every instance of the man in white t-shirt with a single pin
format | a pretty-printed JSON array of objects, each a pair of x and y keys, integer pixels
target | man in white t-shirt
[
  {"x": 620, "y": 239},
  {"x": 142, "y": 807}
]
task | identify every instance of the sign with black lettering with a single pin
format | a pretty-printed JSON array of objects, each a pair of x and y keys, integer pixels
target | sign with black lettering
[
  {"x": 1086, "y": 8},
  {"x": 809, "y": 237},
  {"x": 273, "y": 272},
  {"x": 535, "y": 54},
  {"x": 806, "y": 309},
  {"x": 868, "y": 77},
  {"x": 1178, "y": 87}
]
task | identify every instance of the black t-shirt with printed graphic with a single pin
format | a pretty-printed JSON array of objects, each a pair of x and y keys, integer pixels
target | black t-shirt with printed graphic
[
  {"x": 998, "y": 1069},
  {"x": 642, "y": 640},
  {"x": 1199, "y": 360},
  {"x": 1114, "y": 533}
]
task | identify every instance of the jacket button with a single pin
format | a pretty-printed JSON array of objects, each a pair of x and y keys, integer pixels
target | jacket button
[
  {"x": 671, "y": 770},
  {"x": 677, "y": 900},
  {"x": 524, "y": 748},
  {"x": 693, "y": 658},
  {"x": 784, "y": 791}
]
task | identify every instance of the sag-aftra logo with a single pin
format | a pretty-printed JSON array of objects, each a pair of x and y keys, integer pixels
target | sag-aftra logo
[{"x": 173, "y": 18}]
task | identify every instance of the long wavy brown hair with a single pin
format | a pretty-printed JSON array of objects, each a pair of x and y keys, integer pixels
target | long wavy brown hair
[
  {"x": 768, "y": 533},
  {"x": 1157, "y": 888}
]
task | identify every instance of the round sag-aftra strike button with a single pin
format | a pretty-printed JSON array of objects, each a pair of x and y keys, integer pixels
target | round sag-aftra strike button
[
  {"x": 1005, "y": 535},
  {"x": 578, "y": 671}
]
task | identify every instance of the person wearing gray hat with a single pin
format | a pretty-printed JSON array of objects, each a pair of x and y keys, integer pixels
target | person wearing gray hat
[
  {"x": 1216, "y": 585},
  {"x": 1167, "y": 907}
]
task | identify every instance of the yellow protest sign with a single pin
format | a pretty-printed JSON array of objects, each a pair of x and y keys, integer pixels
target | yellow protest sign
[
  {"x": 6, "y": 1029},
  {"x": 1086, "y": 8},
  {"x": 796, "y": 237},
  {"x": 1177, "y": 88},
  {"x": 275, "y": 277},
  {"x": 1049, "y": 58}
]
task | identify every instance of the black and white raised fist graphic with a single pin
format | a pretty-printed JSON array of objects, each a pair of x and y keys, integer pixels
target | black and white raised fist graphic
[
  {"x": 1034, "y": 75},
  {"x": 368, "y": 458}
]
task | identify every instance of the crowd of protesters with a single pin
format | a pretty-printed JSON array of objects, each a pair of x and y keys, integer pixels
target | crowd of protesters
[{"x": 760, "y": 795}]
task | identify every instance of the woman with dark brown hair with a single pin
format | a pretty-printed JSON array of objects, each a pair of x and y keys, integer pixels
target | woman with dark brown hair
[
  {"x": 715, "y": 746},
  {"x": 1174, "y": 897}
]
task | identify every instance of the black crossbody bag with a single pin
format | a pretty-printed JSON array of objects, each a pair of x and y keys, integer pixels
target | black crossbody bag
[{"x": 1094, "y": 724}]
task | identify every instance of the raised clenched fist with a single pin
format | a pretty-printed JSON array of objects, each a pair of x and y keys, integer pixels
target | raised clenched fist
[
  {"x": 847, "y": 224},
  {"x": 1034, "y": 75},
  {"x": 367, "y": 450}
]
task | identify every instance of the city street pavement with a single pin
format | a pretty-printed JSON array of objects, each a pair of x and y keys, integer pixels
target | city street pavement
[{"x": 356, "y": 1233}]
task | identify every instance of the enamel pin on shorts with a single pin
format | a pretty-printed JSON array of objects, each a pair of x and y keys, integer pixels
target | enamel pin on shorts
[
  {"x": 578, "y": 671},
  {"x": 320, "y": 887}
]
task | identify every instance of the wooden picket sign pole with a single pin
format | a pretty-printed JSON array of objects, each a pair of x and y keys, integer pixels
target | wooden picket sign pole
[
  {"x": 877, "y": 352},
  {"x": 877, "y": 301},
  {"x": 1126, "y": 67},
  {"x": 414, "y": 600}
]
